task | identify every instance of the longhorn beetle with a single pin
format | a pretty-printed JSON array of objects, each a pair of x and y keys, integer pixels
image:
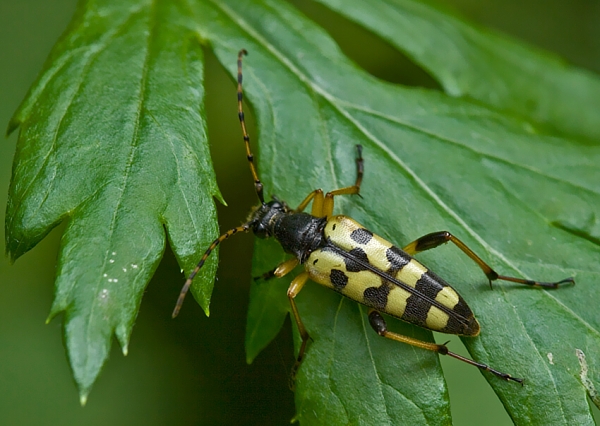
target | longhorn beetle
[{"x": 341, "y": 254}]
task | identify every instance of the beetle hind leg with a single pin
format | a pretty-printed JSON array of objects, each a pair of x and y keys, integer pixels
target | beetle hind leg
[{"x": 380, "y": 326}]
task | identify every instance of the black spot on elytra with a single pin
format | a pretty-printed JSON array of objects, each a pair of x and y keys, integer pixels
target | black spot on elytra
[
  {"x": 417, "y": 307},
  {"x": 338, "y": 279},
  {"x": 460, "y": 318},
  {"x": 397, "y": 258},
  {"x": 416, "y": 310},
  {"x": 377, "y": 297},
  {"x": 430, "y": 285},
  {"x": 351, "y": 261},
  {"x": 361, "y": 236}
]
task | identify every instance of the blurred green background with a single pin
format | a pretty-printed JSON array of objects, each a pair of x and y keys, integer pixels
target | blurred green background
[{"x": 192, "y": 370}]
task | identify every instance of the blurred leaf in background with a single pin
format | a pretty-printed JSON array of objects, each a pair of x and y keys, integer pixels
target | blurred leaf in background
[{"x": 475, "y": 167}]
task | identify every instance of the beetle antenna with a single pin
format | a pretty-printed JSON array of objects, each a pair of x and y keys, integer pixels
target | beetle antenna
[
  {"x": 245, "y": 227},
  {"x": 240, "y": 95}
]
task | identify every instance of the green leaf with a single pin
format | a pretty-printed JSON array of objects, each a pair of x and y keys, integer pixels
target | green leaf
[
  {"x": 112, "y": 139},
  {"x": 489, "y": 67},
  {"x": 521, "y": 197}
]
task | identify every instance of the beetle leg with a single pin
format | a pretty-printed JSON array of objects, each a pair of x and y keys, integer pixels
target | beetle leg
[
  {"x": 280, "y": 270},
  {"x": 435, "y": 239},
  {"x": 323, "y": 205},
  {"x": 349, "y": 190},
  {"x": 379, "y": 325},
  {"x": 293, "y": 290},
  {"x": 285, "y": 267},
  {"x": 316, "y": 197}
]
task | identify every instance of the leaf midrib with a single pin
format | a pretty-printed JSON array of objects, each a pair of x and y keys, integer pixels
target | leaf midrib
[
  {"x": 134, "y": 143},
  {"x": 470, "y": 148}
]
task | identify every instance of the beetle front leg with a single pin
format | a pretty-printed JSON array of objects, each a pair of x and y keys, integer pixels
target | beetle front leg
[
  {"x": 323, "y": 205},
  {"x": 349, "y": 190}
]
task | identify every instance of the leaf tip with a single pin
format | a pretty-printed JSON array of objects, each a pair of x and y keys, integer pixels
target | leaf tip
[
  {"x": 83, "y": 399},
  {"x": 50, "y": 316},
  {"x": 9, "y": 254},
  {"x": 16, "y": 246},
  {"x": 12, "y": 126},
  {"x": 11, "y": 247},
  {"x": 54, "y": 310}
]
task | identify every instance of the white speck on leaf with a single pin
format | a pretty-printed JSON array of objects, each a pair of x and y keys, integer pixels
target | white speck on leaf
[{"x": 585, "y": 380}]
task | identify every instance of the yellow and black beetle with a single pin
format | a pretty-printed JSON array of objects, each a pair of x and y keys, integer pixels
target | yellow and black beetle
[{"x": 341, "y": 254}]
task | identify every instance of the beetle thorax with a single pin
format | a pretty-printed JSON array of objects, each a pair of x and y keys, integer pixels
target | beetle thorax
[{"x": 298, "y": 233}]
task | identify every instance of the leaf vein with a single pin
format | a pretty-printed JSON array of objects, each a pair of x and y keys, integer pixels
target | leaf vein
[
  {"x": 135, "y": 140},
  {"x": 459, "y": 144}
]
